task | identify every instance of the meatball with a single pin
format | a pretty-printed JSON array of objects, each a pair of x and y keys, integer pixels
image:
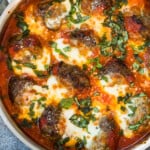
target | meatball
[
  {"x": 85, "y": 36},
  {"x": 53, "y": 12},
  {"x": 17, "y": 85},
  {"x": 142, "y": 108},
  {"x": 101, "y": 3},
  {"x": 91, "y": 5},
  {"x": 43, "y": 6},
  {"x": 30, "y": 47},
  {"x": 106, "y": 124},
  {"x": 48, "y": 122},
  {"x": 116, "y": 66},
  {"x": 72, "y": 74},
  {"x": 18, "y": 42}
]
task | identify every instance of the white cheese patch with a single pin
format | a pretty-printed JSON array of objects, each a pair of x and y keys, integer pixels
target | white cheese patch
[
  {"x": 36, "y": 25},
  {"x": 40, "y": 63},
  {"x": 74, "y": 55},
  {"x": 74, "y": 132},
  {"x": 57, "y": 91},
  {"x": 114, "y": 89},
  {"x": 117, "y": 90}
]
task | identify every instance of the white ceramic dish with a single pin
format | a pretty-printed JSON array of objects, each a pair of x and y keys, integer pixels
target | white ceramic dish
[{"x": 5, "y": 116}]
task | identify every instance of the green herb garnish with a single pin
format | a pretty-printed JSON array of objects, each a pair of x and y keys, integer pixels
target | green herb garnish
[
  {"x": 79, "y": 121},
  {"x": 66, "y": 103}
]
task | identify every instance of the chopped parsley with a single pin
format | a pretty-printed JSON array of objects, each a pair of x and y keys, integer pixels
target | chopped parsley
[
  {"x": 8, "y": 62},
  {"x": 25, "y": 123},
  {"x": 22, "y": 24},
  {"x": 40, "y": 74},
  {"x": 59, "y": 51},
  {"x": 81, "y": 143},
  {"x": 123, "y": 108},
  {"x": 31, "y": 110},
  {"x": 75, "y": 14},
  {"x": 136, "y": 126},
  {"x": 125, "y": 99},
  {"x": 119, "y": 35},
  {"x": 66, "y": 103},
  {"x": 30, "y": 65},
  {"x": 133, "y": 109},
  {"x": 79, "y": 121}
]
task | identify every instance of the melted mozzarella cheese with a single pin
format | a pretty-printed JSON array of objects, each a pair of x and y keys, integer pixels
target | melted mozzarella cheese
[
  {"x": 74, "y": 55},
  {"x": 36, "y": 25},
  {"x": 40, "y": 63},
  {"x": 57, "y": 91},
  {"x": 114, "y": 89},
  {"x": 75, "y": 132},
  {"x": 118, "y": 89},
  {"x": 33, "y": 98}
]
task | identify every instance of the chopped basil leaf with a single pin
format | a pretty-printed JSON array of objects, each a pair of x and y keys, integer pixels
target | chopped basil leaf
[
  {"x": 123, "y": 108},
  {"x": 57, "y": 50},
  {"x": 66, "y": 103},
  {"x": 136, "y": 66},
  {"x": 125, "y": 99},
  {"x": 140, "y": 95},
  {"x": 31, "y": 111},
  {"x": 118, "y": 33},
  {"x": 141, "y": 71},
  {"x": 26, "y": 124},
  {"x": 42, "y": 99},
  {"x": 84, "y": 67},
  {"x": 9, "y": 65},
  {"x": 30, "y": 65},
  {"x": 138, "y": 58},
  {"x": 40, "y": 74},
  {"x": 22, "y": 24},
  {"x": 67, "y": 49},
  {"x": 18, "y": 67},
  {"x": 59, "y": 144},
  {"x": 79, "y": 121},
  {"x": 75, "y": 14},
  {"x": 45, "y": 86},
  {"x": 105, "y": 46},
  {"x": 85, "y": 105},
  {"x": 133, "y": 109},
  {"x": 95, "y": 109},
  {"x": 139, "y": 123},
  {"x": 104, "y": 78},
  {"x": 80, "y": 143}
]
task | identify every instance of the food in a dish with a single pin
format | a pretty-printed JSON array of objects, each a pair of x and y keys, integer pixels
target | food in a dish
[{"x": 75, "y": 74}]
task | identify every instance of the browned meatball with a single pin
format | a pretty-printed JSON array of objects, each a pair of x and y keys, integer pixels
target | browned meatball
[
  {"x": 107, "y": 124},
  {"x": 88, "y": 6},
  {"x": 29, "y": 45},
  {"x": 116, "y": 66},
  {"x": 17, "y": 85},
  {"x": 48, "y": 122},
  {"x": 85, "y": 36},
  {"x": 53, "y": 12},
  {"x": 72, "y": 74}
]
